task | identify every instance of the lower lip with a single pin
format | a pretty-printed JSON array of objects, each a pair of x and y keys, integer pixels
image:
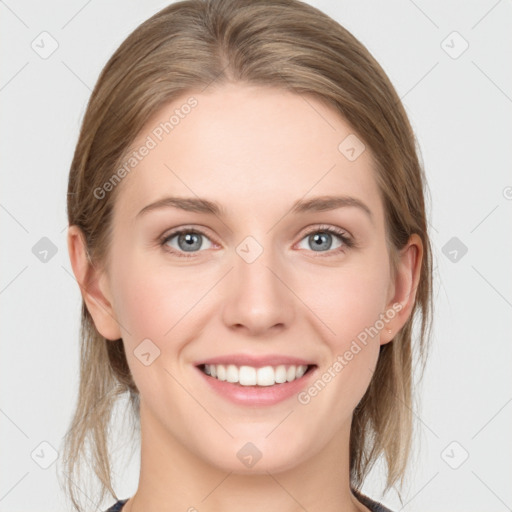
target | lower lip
[{"x": 257, "y": 395}]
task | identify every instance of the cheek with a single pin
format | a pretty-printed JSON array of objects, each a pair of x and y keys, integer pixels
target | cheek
[
  {"x": 346, "y": 300},
  {"x": 347, "y": 304},
  {"x": 157, "y": 305},
  {"x": 152, "y": 300}
]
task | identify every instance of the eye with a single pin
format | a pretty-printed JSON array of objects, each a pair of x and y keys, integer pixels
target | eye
[
  {"x": 187, "y": 241},
  {"x": 320, "y": 239}
]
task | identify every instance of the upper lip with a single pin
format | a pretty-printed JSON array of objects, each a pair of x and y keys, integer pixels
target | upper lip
[{"x": 255, "y": 361}]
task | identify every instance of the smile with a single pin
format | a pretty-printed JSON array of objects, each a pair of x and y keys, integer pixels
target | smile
[
  {"x": 251, "y": 376},
  {"x": 256, "y": 386}
]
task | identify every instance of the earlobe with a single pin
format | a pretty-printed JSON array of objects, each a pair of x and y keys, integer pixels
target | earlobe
[
  {"x": 403, "y": 287},
  {"x": 93, "y": 286}
]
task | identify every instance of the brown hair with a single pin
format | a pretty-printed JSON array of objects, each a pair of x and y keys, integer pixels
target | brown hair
[{"x": 189, "y": 46}]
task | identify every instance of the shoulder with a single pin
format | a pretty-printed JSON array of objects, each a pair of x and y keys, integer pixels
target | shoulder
[{"x": 116, "y": 507}]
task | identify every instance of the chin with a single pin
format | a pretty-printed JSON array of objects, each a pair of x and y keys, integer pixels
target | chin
[{"x": 259, "y": 456}]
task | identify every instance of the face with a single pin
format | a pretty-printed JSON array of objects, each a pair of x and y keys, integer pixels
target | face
[{"x": 273, "y": 276}]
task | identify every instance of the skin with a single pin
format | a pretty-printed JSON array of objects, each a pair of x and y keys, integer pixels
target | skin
[{"x": 255, "y": 150}]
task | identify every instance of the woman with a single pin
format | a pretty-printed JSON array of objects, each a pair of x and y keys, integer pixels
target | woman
[{"x": 248, "y": 230}]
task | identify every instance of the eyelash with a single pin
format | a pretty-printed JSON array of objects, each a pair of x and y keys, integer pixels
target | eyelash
[{"x": 348, "y": 243}]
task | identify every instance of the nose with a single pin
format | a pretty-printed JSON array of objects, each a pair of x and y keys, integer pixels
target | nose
[{"x": 259, "y": 298}]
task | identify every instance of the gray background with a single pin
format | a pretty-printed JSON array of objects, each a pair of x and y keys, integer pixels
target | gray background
[{"x": 460, "y": 106}]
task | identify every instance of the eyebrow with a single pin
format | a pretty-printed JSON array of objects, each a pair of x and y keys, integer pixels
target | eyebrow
[{"x": 199, "y": 205}]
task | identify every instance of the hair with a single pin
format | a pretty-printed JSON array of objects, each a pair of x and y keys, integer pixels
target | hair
[{"x": 189, "y": 46}]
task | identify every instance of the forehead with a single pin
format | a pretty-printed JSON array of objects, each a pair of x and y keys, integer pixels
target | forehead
[{"x": 247, "y": 147}]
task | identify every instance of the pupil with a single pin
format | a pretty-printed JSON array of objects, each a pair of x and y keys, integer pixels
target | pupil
[
  {"x": 320, "y": 239},
  {"x": 190, "y": 239}
]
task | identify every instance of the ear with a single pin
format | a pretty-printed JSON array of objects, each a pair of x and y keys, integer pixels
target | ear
[
  {"x": 93, "y": 286},
  {"x": 402, "y": 291}
]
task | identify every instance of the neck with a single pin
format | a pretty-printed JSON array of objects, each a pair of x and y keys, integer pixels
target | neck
[{"x": 174, "y": 479}]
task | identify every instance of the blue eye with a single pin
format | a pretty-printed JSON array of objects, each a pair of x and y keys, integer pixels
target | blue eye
[
  {"x": 188, "y": 240},
  {"x": 320, "y": 239}
]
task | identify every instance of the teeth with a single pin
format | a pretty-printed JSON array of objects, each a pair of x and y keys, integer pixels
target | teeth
[{"x": 250, "y": 376}]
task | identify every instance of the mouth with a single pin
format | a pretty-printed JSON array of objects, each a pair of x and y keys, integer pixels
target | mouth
[{"x": 256, "y": 377}]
